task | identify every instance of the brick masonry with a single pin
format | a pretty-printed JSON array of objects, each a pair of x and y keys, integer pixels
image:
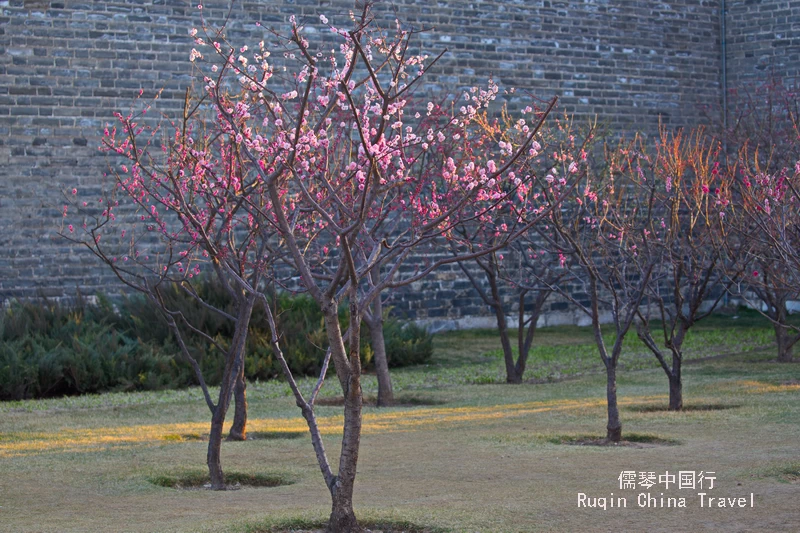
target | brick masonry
[
  {"x": 66, "y": 66},
  {"x": 763, "y": 39}
]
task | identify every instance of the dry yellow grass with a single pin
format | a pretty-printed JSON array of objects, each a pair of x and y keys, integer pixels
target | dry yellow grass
[{"x": 482, "y": 461}]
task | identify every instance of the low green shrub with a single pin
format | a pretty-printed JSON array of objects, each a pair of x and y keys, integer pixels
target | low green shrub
[
  {"x": 407, "y": 344},
  {"x": 55, "y": 350},
  {"x": 51, "y": 349}
]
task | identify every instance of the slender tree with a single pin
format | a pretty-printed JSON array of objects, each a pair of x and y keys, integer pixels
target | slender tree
[
  {"x": 768, "y": 228},
  {"x": 373, "y": 318},
  {"x": 697, "y": 261},
  {"x": 607, "y": 225},
  {"x": 527, "y": 270},
  {"x": 340, "y": 171},
  {"x": 174, "y": 207}
]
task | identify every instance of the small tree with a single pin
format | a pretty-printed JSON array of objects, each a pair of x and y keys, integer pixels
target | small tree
[
  {"x": 607, "y": 225},
  {"x": 338, "y": 169},
  {"x": 762, "y": 116},
  {"x": 768, "y": 228},
  {"x": 540, "y": 270},
  {"x": 174, "y": 206},
  {"x": 690, "y": 191},
  {"x": 764, "y": 130},
  {"x": 531, "y": 266}
]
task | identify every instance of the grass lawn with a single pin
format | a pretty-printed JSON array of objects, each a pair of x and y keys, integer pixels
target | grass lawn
[{"x": 465, "y": 453}]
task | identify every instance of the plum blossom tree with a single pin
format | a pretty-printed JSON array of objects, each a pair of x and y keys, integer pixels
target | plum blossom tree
[
  {"x": 530, "y": 266},
  {"x": 690, "y": 189},
  {"x": 333, "y": 173},
  {"x": 763, "y": 129},
  {"x": 176, "y": 206},
  {"x": 607, "y": 225},
  {"x": 768, "y": 227}
]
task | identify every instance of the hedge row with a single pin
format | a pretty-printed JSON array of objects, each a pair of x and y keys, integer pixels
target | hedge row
[{"x": 49, "y": 349}]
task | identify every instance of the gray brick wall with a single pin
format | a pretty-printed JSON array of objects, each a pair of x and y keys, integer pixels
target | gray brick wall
[
  {"x": 763, "y": 39},
  {"x": 66, "y": 66}
]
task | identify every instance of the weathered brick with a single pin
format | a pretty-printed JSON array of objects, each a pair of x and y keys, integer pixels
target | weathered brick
[{"x": 64, "y": 72}]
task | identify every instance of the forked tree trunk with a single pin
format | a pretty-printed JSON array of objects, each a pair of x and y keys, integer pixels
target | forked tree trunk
[
  {"x": 614, "y": 427},
  {"x": 234, "y": 361},
  {"x": 525, "y": 339},
  {"x": 512, "y": 376},
  {"x": 343, "y": 519},
  {"x": 239, "y": 428},
  {"x": 675, "y": 385}
]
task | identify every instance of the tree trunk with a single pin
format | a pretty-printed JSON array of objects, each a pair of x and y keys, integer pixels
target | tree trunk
[
  {"x": 783, "y": 339},
  {"x": 343, "y": 518},
  {"x": 385, "y": 393},
  {"x": 348, "y": 370},
  {"x": 675, "y": 386},
  {"x": 525, "y": 339},
  {"x": 614, "y": 428},
  {"x": 512, "y": 375},
  {"x": 218, "y": 417},
  {"x": 234, "y": 361},
  {"x": 239, "y": 427},
  {"x": 214, "y": 449}
]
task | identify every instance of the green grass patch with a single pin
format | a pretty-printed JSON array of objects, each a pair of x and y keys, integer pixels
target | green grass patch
[
  {"x": 454, "y": 456},
  {"x": 790, "y": 474}
]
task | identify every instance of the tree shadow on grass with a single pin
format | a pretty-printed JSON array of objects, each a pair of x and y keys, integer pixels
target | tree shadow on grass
[
  {"x": 275, "y": 435},
  {"x": 370, "y": 526},
  {"x": 400, "y": 401},
  {"x": 197, "y": 480},
  {"x": 663, "y": 408},
  {"x": 184, "y": 437},
  {"x": 251, "y": 435},
  {"x": 630, "y": 440}
]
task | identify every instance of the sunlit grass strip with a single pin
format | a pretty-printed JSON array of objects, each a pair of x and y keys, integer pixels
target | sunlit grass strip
[
  {"x": 69, "y": 440},
  {"x": 98, "y": 439},
  {"x": 756, "y": 387}
]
